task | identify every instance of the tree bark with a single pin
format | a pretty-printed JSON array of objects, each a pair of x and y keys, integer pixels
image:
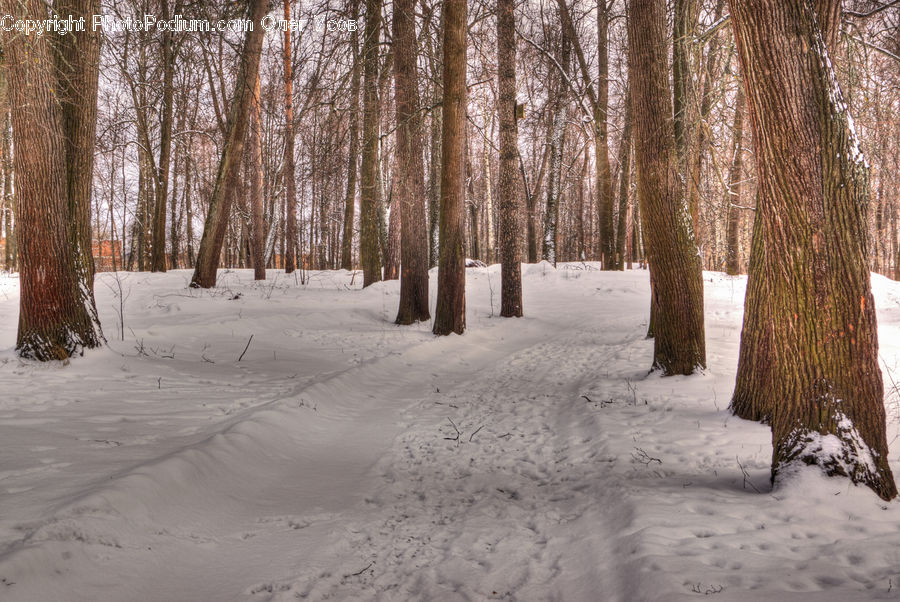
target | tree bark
[
  {"x": 54, "y": 104},
  {"x": 410, "y": 189},
  {"x": 290, "y": 184},
  {"x": 675, "y": 271},
  {"x": 450, "y": 314},
  {"x": 822, "y": 390},
  {"x": 369, "y": 188},
  {"x": 158, "y": 242},
  {"x": 230, "y": 163},
  {"x": 509, "y": 203}
]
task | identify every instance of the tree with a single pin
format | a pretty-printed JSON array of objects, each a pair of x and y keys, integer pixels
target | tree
[
  {"x": 599, "y": 102},
  {"x": 53, "y": 96},
  {"x": 370, "y": 197},
  {"x": 257, "y": 229},
  {"x": 353, "y": 152},
  {"x": 158, "y": 242},
  {"x": 410, "y": 189},
  {"x": 624, "y": 184},
  {"x": 555, "y": 143},
  {"x": 822, "y": 390},
  {"x": 450, "y": 314},
  {"x": 735, "y": 175},
  {"x": 508, "y": 198},
  {"x": 675, "y": 270},
  {"x": 228, "y": 172},
  {"x": 290, "y": 185}
]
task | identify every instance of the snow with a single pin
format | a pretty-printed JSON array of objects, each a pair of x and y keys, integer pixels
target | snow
[{"x": 346, "y": 458}]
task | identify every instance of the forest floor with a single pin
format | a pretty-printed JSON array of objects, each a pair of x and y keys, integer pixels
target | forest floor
[{"x": 341, "y": 457}]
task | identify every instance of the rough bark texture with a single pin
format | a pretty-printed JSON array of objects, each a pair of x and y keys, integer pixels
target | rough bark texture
[
  {"x": 410, "y": 190},
  {"x": 822, "y": 390},
  {"x": 290, "y": 184},
  {"x": 677, "y": 283},
  {"x": 54, "y": 102},
  {"x": 230, "y": 163},
  {"x": 353, "y": 155},
  {"x": 369, "y": 188},
  {"x": 735, "y": 175},
  {"x": 509, "y": 202},
  {"x": 450, "y": 314}
]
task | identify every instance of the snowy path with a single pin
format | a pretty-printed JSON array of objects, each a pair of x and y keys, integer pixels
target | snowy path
[{"x": 345, "y": 458}]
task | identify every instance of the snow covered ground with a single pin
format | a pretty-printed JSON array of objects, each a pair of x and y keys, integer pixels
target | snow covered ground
[{"x": 345, "y": 458}]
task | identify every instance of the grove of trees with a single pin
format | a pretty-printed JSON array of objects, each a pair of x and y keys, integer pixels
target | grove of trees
[{"x": 747, "y": 136}]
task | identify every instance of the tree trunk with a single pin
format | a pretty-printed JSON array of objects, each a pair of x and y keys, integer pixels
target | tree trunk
[
  {"x": 54, "y": 104},
  {"x": 675, "y": 270},
  {"x": 555, "y": 176},
  {"x": 369, "y": 189},
  {"x": 509, "y": 202},
  {"x": 822, "y": 390},
  {"x": 391, "y": 244},
  {"x": 683, "y": 26},
  {"x": 450, "y": 314},
  {"x": 257, "y": 228},
  {"x": 410, "y": 189},
  {"x": 701, "y": 148},
  {"x": 733, "y": 195},
  {"x": 10, "y": 259},
  {"x": 605, "y": 232},
  {"x": 624, "y": 184},
  {"x": 230, "y": 163},
  {"x": 158, "y": 243},
  {"x": 290, "y": 184},
  {"x": 353, "y": 155}
]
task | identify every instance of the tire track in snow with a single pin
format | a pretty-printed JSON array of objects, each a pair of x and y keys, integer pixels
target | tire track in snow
[
  {"x": 522, "y": 506},
  {"x": 247, "y": 485}
]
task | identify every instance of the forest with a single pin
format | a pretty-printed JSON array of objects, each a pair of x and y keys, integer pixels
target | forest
[{"x": 240, "y": 240}]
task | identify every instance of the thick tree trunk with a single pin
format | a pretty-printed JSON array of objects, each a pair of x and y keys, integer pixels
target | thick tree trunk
[
  {"x": 290, "y": 184},
  {"x": 230, "y": 163},
  {"x": 733, "y": 195},
  {"x": 450, "y": 314},
  {"x": 677, "y": 283},
  {"x": 54, "y": 104},
  {"x": 823, "y": 390},
  {"x": 370, "y": 198},
  {"x": 509, "y": 202},
  {"x": 410, "y": 189}
]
